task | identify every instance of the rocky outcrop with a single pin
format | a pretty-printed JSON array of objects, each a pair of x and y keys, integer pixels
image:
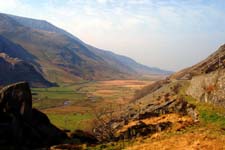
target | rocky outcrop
[
  {"x": 136, "y": 118},
  {"x": 142, "y": 129},
  {"x": 16, "y": 99},
  {"x": 207, "y": 78},
  {"x": 209, "y": 87},
  {"x": 20, "y": 124}
]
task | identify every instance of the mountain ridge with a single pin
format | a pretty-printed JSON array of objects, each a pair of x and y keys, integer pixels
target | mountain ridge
[
  {"x": 51, "y": 27},
  {"x": 65, "y": 55},
  {"x": 213, "y": 62}
]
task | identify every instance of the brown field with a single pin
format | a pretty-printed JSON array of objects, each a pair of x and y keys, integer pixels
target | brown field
[
  {"x": 85, "y": 99},
  {"x": 126, "y": 83},
  {"x": 104, "y": 92}
]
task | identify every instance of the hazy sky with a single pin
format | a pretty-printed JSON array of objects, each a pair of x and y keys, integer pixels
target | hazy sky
[{"x": 170, "y": 34}]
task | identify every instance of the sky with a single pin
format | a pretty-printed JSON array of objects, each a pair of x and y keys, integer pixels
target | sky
[{"x": 170, "y": 34}]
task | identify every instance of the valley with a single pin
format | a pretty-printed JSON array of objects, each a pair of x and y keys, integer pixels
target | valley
[
  {"x": 73, "y": 106},
  {"x": 57, "y": 92}
]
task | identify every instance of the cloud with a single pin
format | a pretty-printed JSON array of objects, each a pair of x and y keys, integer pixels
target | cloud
[
  {"x": 102, "y": 1},
  {"x": 9, "y": 4}
]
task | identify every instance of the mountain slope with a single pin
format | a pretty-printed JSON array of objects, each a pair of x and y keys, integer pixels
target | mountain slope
[
  {"x": 14, "y": 50},
  {"x": 106, "y": 55},
  {"x": 62, "y": 57},
  {"x": 210, "y": 64},
  {"x": 206, "y": 79},
  {"x": 126, "y": 62},
  {"x": 196, "y": 95},
  {"x": 15, "y": 70},
  {"x": 203, "y": 86},
  {"x": 18, "y": 65}
]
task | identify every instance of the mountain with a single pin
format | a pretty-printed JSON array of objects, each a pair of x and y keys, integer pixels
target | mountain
[
  {"x": 14, "y": 70},
  {"x": 214, "y": 62},
  {"x": 16, "y": 65},
  {"x": 61, "y": 57},
  {"x": 205, "y": 81},
  {"x": 126, "y": 62}
]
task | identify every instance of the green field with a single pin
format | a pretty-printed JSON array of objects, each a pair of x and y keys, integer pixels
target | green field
[
  {"x": 72, "y": 106},
  {"x": 71, "y": 121},
  {"x": 56, "y": 96}
]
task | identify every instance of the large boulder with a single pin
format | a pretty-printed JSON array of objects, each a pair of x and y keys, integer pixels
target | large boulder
[
  {"x": 16, "y": 99},
  {"x": 50, "y": 134},
  {"x": 20, "y": 124}
]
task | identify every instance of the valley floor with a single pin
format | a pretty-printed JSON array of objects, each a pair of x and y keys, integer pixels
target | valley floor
[{"x": 73, "y": 106}]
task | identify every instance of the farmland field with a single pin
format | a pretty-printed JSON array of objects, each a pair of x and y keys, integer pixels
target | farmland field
[{"x": 73, "y": 106}]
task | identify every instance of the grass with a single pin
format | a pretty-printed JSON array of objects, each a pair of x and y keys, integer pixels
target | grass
[
  {"x": 209, "y": 113},
  {"x": 56, "y": 93},
  {"x": 71, "y": 121},
  {"x": 211, "y": 117},
  {"x": 56, "y": 96}
]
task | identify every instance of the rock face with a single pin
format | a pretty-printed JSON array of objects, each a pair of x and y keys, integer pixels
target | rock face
[
  {"x": 207, "y": 78},
  {"x": 16, "y": 99},
  {"x": 209, "y": 87},
  {"x": 22, "y": 126}
]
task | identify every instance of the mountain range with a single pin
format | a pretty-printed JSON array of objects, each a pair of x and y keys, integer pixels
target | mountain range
[{"x": 60, "y": 56}]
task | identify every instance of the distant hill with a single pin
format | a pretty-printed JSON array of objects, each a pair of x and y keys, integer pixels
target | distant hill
[
  {"x": 61, "y": 57},
  {"x": 127, "y": 63}
]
